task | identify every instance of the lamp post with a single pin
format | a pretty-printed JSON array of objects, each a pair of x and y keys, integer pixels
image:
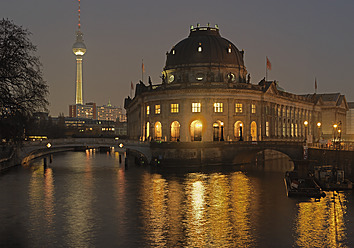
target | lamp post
[
  {"x": 306, "y": 123},
  {"x": 319, "y": 131},
  {"x": 222, "y": 131},
  {"x": 334, "y": 134},
  {"x": 339, "y": 138}
]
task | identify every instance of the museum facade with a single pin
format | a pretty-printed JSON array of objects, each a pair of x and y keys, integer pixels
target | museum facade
[{"x": 206, "y": 95}]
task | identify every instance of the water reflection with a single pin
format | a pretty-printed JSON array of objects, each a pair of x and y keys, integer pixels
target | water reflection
[
  {"x": 214, "y": 209},
  {"x": 41, "y": 201},
  {"x": 92, "y": 200},
  {"x": 321, "y": 223},
  {"x": 77, "y": 210},
  {"x": 241, "y": 198},
  {"x": 154, "y": 194}
]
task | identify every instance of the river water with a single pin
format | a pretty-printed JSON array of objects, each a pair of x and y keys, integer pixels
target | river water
[{"x": 90, "y": 199}]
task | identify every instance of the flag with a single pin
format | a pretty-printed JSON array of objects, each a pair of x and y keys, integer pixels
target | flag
[
  {"x": 143, "y": 67},
  {"x": 269, "y": 65},
  {"x": 131, "y": 85},
  {"x": 315, "y": 84}
]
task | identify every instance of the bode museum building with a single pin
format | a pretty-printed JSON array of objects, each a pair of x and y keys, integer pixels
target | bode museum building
[{"x": 206, "y": 95}]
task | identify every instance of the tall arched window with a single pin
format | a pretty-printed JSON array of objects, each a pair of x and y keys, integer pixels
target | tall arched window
[
  {"x": 196, "y": 129},
  {"x": 158, "y": 131},
  {"x": 175, "y": 126},
  {"x": 254, "y": 131}
]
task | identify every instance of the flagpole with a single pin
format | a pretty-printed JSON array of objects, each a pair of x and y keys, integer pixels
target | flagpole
[
  {"x": 142, "y": 70},
  {"x": 266, "y": 65}
]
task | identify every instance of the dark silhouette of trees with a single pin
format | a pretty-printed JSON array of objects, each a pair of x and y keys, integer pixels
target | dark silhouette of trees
[{"x": 22, "y": 88}]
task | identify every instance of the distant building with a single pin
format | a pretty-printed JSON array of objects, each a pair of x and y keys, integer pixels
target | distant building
[
  {"x": 89, "y": 110},
  {"x": 350, "y": 120},
  {"x": 84, "y": 127},
  {"x": 110, "y": 113},
  {"x": 103, "y": 113},
  {"x": 206, "y": 95}
]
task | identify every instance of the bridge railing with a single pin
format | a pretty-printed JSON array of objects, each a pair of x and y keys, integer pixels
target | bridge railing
[{"x": 344, "y": 146}]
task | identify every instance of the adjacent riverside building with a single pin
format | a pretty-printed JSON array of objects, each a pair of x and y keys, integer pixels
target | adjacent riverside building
[{"x": 206, "y": 94}]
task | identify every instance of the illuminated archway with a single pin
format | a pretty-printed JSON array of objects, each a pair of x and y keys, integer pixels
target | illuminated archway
[
  {"x": 238, "y": 130},
  {"x": 175, "y": 126},
  {"x": 158, "y": 130},
  {"x": 253, "y": 131},
  {"x": 196, "y": 129},
  {"x": 216, "y": 131}
]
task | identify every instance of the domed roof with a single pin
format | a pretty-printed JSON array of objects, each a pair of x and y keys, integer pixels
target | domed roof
[{"x": 204, "y": 45}]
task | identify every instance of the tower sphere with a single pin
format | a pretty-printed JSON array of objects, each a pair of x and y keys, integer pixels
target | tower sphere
[{"x": 79, "y": 47}]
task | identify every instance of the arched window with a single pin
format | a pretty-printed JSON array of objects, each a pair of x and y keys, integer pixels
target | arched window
[
  {"x": 196, "y": 129},
  {"x": 175, "y": 126},
  {"x": 254, "y": 131},
  {"x": 158, "y": 131}
]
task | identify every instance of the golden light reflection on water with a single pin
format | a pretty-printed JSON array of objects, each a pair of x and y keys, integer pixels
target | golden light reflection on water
[
  {"x": 321, "y": 223},
  {"x": 41, "y": 199},
  {"x": 77, "y": 206},
  {"x": 205, "y": 210},
  {"x": 154, "y": 209},
  {"x": 241, "y": 198},
  {"x": 196, "y": 210}
]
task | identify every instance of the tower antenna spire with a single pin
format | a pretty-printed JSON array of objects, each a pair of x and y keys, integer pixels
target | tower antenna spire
[{"x": 79, "y": 17}]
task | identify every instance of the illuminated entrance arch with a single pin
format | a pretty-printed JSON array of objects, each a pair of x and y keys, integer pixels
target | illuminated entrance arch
[
  {"x": 254, "y": 131},
  {"x": 196, "y": 129},
  {"x": 218, "y": 133},
  {"x": 158, "y": 131},
  {"x": 238, "y": 130},
  {"x": 175, "y": 126}
]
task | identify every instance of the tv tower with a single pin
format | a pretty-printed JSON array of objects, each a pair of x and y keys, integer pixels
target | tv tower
[{"x": 79, "y": 50}]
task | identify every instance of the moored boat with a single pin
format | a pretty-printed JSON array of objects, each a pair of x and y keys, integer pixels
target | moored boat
[
  {"x": 331, "y": 178},
  {"x": 301, "y": 187}
]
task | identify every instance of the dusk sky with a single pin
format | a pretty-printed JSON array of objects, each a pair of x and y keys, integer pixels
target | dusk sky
[{"x": 303, "y": 39}]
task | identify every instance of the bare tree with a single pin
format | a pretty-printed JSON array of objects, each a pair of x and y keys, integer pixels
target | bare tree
[{"x": 22, "y": 88}]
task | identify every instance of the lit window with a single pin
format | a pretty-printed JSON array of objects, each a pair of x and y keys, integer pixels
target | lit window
[
  {"x": 173, "y": 51},
  {"x": 267, "y": 128},
  {"x": 218, "y": 107},
  {"x": 174, "y": 107},
  {"x": 147, "y": 110},
  {"x": 196, "y": 107},
  {"x": 253, "y": 109},
  {"x": 157, "y": 109},
  {"x": 229, "y": 49},
  {"x": 238, "y": 107}
]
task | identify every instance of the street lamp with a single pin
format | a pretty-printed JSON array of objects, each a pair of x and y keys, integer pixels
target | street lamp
[
  {"x": 306, "y": 123},
  {"x": 334, "y": 134},
  {"x": 222, "y": 131},
  {"x": 339, "y": 137},
  {"x": 319, "y": 131}
]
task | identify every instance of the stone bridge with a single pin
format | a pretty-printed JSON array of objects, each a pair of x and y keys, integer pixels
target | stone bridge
[
  {"x": 179, "y": 154},
  {"x": 29, "y": 150}
]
